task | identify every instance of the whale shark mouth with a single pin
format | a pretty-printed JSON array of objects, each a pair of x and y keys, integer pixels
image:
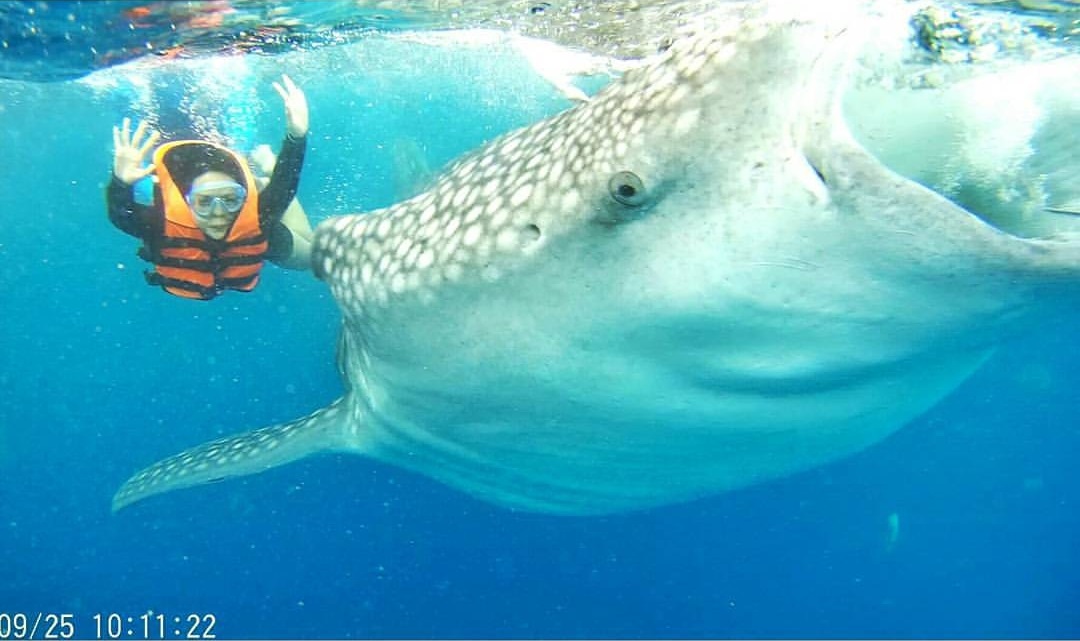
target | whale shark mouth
[{"x": 999, "y": 143}]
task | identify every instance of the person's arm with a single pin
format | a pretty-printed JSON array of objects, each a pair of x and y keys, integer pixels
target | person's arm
[
  {"x": 284, "y": 182},
  {"x": 125, "y": 213},
  {"x": 279, "y": 243},
  {"x": 130, "y": 152},
  {"x": 276, "y": 196}
]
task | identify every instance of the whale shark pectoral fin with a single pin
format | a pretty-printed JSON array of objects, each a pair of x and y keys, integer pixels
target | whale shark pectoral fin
[{"x": 239, "y": 455}]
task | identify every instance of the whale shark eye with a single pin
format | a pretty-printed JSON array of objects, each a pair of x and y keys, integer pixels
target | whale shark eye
[{"x": 626, "y": 188}]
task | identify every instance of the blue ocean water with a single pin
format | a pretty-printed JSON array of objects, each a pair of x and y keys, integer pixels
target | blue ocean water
[{"x": 963, "y": 524}]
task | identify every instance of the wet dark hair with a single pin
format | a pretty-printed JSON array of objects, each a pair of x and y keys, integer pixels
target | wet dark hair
[{"x": 188, "y": 162}]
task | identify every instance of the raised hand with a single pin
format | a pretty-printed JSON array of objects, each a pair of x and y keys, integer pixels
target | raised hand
[
  {"x": 131, "y": 150},
  {"x": 296, "y": 107}
]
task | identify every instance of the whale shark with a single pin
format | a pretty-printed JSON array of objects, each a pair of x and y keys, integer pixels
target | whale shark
[{"x": 703, "y": 277}]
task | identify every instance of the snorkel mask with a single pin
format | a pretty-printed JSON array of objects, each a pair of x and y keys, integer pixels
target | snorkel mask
[{"x": 204, "y": 198}]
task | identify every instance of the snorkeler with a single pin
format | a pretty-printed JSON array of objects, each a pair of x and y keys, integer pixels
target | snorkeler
[{"x": 210, "y": 227}]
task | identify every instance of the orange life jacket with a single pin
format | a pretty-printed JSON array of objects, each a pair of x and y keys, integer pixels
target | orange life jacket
[{"x": 186, "y": 262}]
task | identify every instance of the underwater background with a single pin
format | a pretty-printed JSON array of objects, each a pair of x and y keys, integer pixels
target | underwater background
[{"x": 965, "y": 523}]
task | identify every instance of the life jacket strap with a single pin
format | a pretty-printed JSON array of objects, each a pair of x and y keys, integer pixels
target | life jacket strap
[
  {"x": 247, "y": 242},
  {"x": 208, "y": 266},
  {"x": 170, "y": 242},
  {"x": 205, "y": 293},
  {"x": 241, "y": 283}
]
